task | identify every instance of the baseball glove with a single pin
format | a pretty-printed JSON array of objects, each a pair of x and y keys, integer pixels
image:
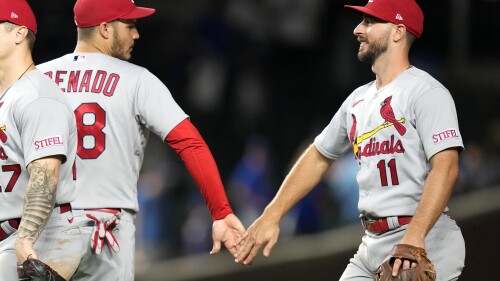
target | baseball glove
[
  {"x": 36, "y": 270},
  {"x": 424, "y": 271}
]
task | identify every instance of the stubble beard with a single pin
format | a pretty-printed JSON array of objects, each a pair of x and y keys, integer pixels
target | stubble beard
[
  {"x": 119, "y": 49},
  {"x": 374, "y": 51}
]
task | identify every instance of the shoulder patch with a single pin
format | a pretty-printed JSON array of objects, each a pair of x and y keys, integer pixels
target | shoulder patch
[
  {"x": 444, "y": 135},
  {"x": 48, "y": 142}
]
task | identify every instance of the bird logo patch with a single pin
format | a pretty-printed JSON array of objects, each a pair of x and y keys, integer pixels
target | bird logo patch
[{"x": 388, "y": 115}]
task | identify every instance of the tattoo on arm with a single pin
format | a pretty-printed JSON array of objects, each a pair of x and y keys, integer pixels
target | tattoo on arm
[{"x": 39, "y": 199}]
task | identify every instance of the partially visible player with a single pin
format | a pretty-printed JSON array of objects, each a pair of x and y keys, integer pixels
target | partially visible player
[
  {"x": 404, "y": 132},
  {"x": 117, "y": 104},
  {"x": 38, "y": 141}
]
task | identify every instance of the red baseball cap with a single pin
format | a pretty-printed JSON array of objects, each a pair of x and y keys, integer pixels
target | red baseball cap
[
  {"x": 18, "y": 12},
  {"x": 405, "y": 12},
  {"x": 90, "y": 13}
]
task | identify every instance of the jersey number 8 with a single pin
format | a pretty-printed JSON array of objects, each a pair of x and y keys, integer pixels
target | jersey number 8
[{"x": 92, "y": 128}]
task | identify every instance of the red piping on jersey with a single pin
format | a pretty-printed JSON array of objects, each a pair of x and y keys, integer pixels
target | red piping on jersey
[{"x": 190, "y": 146}]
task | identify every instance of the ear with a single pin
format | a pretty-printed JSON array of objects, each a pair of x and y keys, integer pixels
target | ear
[
  {"x": 104, "y": 30},
  {"x": 400, "y": 32},
  {"x": 21, "y": 33}
]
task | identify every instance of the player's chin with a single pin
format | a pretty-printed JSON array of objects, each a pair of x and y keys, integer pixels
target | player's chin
[{"x": 126, "y": 56}]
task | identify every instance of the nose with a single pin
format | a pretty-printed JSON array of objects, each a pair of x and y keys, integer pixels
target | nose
[
  {"x": 136, "y": 35},
  {"x": 358, "y": 29}
]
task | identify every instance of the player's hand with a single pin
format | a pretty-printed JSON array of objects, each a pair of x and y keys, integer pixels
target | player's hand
[
  {"x": 24, "y": 250},
  {"x": 263, "y": 232},
  {"x": 397, "y": 265},
  {"x": 402, "y": 263},
  {"x": 227, "y": 231}
]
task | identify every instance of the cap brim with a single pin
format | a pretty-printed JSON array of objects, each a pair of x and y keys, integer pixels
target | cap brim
[
  {"x": 137, "y": 13},
  {"x": 364, "y": 10}
]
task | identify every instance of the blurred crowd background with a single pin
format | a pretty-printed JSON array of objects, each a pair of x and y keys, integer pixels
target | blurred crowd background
[{"x": 260, "y": 79}]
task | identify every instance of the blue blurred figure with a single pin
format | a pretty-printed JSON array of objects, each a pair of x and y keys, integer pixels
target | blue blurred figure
[
  {"x": 342, "y": 181},
  {"x": 250, "y": 184}
]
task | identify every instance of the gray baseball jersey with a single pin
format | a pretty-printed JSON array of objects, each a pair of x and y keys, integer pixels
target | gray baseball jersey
[
  {"x": 35, "y": 121},
  {"x": 116, "y": 104},
  {"x": 393, "y": 131}
]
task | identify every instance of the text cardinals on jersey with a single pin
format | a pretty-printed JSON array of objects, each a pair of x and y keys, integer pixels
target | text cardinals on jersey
[{"x": 374, "y": 147}]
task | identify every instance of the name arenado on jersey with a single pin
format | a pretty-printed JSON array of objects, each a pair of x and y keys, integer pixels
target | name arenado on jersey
[
  {"x": 91, "y": 81},
  {"x": 374, "y": 147}
]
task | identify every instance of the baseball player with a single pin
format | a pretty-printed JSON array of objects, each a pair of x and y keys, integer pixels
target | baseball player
[
  {"x": 38, "y": 140},
  {"x": 117, "y": 104},
  {"x": 404, "y": 133}
]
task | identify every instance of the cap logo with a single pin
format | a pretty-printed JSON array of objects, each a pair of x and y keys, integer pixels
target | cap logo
[
  {"x": 13, "y": 15},
  {"x": 399, "y": 17}
]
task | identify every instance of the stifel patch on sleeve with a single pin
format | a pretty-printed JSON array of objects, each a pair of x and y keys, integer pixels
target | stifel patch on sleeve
[
  {"x": 48, "y": 142},
  {"x": 444, "y": 135}
]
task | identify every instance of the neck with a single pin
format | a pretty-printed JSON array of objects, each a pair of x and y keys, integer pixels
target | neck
[
  {"x": 90, "y": 47},
  {"x": 13, "y": 69},
  {"x": 387, "y": 68},
  {"x": 391, "y": 63}
]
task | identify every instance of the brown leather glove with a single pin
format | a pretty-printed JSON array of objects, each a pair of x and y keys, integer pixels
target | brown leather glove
[{"x": 424, "y": 271}]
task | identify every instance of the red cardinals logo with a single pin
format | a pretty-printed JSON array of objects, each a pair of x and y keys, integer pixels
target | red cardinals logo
[
  {"x": 3, "y": 138},
  {"x": 352, "y": 134},
  {"x": 3, "y": 135},
  {"x": 353, "y": 137},
  {"x": 388, "y": 115}
]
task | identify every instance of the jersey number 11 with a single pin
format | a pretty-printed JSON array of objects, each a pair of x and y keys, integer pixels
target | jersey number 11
[{"x": 392, "y": 170}]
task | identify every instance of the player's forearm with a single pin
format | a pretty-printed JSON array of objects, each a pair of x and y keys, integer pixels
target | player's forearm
[
  {"x": 40, "y": 198},
  {"x": 302, "y": 178},
  {"x": 201, "y": 165},
  {"x": 203, "y": 169},
  {"x": 437, "y": 191}
]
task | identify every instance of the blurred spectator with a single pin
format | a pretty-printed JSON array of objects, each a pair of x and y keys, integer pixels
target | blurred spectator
[
  {"x": 474, "y": 171},
  {"x": 479, "y": 163},
  {"x": 251, "y": 186},
  {"x": 207, "y": 72},
  {"x": 341, "y": 179},
  {"x": 150, "y": 220},
  {"x": 316, "y": 211},
  {"x": 196, "y": 234},
  {"x": 163, "y": 188}
]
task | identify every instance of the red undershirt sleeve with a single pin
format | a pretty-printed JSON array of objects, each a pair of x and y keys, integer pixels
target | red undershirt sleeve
[{"x": 194, "y": 152}]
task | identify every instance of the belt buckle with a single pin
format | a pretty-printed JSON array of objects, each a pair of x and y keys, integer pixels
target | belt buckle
[
  {"x": 372, "y": 225},
  {"x": 365, "y": 221}
]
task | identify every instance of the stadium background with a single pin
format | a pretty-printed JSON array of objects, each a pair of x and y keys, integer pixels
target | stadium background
[{"x": 260, "y": 79}]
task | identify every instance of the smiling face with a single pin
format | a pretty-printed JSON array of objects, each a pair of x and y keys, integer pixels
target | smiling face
[
  {"x": 123, "y": 39},
  {"x": 374, "y": 36}
]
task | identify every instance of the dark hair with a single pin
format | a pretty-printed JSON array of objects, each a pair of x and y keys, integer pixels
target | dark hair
[
  {"x": 411, "y": 38},
  {"x": 31, "y": 38}
]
